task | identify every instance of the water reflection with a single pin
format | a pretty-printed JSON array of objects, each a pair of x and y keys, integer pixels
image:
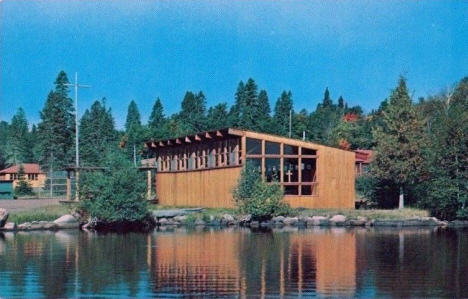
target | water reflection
[{"x": 236, "y": 262}]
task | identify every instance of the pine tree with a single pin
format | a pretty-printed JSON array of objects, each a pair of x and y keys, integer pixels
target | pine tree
[
  {"x": 263, "y": 113},
  {"x": 134, "y": 133},
  {"x": 281, "y": 117},
  {"x": 56, "y": 131},
  {"x": 324, "y": 120},
  {"x": 341, "y": 104},
  {"x": 23, "y": 187},
  {"x": 217, "y": 117},
  {"x": 399, "y": 142},
  {"x": 327, "y": 101},
  {"x": 238, "y": 108},
  {"x": 249, "y": 112},
  {"x": 300, "y": 125},
  {"x": 157, "y": 121},
  {"x": 193, "y": 113},
  {"x": 133, "y": 116},
  {"x": 18, "y": 149},
  {"x": 97, "y": 134},
  {"x": 4, "y": 128}
]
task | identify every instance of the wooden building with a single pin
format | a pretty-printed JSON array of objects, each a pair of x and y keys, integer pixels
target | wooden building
[
  {"x": 202, "y": 169},
  {"x": 33, "y": 175},
  {"x": 363, "y": 160}
]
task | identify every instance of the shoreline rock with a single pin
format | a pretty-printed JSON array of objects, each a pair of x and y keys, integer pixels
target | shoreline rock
[
  {"x": 3, "y": 217},
  {"x": 179, "y": 218}
]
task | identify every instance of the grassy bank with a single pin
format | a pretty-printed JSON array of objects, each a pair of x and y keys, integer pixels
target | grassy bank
[{"x": 49, "y": 213}]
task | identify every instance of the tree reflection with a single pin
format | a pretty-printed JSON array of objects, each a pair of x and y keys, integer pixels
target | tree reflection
[
  {"x": 109, "y": 260},
  {"x": 429, "y": 265}
]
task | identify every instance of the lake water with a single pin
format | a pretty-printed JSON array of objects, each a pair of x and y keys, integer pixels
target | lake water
[{"x": 236, "y": 263}]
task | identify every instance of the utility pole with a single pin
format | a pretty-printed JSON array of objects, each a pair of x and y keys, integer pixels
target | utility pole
[
  {"x": 134, "y": 155},
  {"x": 77, "y": 151},
  {"x": 290, "y": 122},
  {"x": 51, "y": 173}
]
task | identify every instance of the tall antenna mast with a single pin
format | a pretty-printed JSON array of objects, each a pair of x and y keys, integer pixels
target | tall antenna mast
[{"x": 77, "y": 150}]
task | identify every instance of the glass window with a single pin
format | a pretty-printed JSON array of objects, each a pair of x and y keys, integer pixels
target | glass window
[
  {"x": 191, "y": 163},
  {"x": 308, "y": 151},
  {"x": 291, "y": 171},
  {"x": 254, "y": 146},
  {"x": 256, "y": 162},
  {"x": 306, "y": 190},
  {"x": 272, "y": 169},
  {"x": 232, "y": 158},
  {"x": 173, "y": 165},
  {"x": 291, "y": 150},
  {"x": 212, "y": 160},
  {"x": 272, "y": 148},
  {"x": 291, "y": 190},
  {"x": 309, "y": 169}
]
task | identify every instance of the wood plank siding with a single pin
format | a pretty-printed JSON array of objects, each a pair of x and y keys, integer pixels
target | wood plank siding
[
  {"x": 205, "y": 188},
  {"x": 202, "y": 169}
]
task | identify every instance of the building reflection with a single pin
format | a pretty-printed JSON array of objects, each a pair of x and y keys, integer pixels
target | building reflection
[{"x": 295, "y": 262}]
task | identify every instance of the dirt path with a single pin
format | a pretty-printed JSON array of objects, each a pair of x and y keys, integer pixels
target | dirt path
[{"x": 27, "y": 204}]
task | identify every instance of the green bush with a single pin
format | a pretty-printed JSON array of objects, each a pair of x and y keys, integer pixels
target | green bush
[
  {"x": 116, "y": 194},
  {"x": 23, "y": 188},
  {"x": 254, "y": 196}
]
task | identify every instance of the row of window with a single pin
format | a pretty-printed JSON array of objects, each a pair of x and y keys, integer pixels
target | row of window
[
  {"x": 210, "y": 155},
  {"x": 255, "y": 147},
  {"x": 29, "y": 176}
]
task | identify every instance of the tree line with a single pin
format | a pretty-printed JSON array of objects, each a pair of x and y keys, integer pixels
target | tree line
[
  {"x": 52, "y": 141},
  {"x": 421, "y": 155}
]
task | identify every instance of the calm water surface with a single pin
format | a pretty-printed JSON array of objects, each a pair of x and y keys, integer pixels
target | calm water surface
[{"x": 236, "y": 263}]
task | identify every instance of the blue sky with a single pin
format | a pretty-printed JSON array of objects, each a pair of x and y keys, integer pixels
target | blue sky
[{"x": 141, "y": 50}]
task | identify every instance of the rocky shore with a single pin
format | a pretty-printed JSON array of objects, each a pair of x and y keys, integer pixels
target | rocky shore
[
  {"x": 306, "y": 221},
  {"x": 188, "y": 217}
]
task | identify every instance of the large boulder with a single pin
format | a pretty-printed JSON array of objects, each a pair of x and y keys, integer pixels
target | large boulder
[
  {"x": 36, "y": 225},
  {"x": 244, "y": 220},
  {"x": 24, "y": 226},
  {"x": 3, "y": 216},
  {"x": 67, "y": 221},
  {"x": 9, "y": 226},
  {"x": 357, "y": 222},
  {"x": 290, "y": 221},
  {"x": 228, "y": 218},
  {"x": 318, "y": 221},
  {"x": 338, "y": 220}
]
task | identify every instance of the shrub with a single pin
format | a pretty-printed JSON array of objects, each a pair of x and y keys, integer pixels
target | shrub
[
  {"x": 23, "y": 188},
  {"x": 116, "y": 194},
  {"x": 254, "y": 196}
]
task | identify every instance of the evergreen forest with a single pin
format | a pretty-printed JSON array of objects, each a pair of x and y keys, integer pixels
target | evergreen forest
[{"x": 421, "y": 146}]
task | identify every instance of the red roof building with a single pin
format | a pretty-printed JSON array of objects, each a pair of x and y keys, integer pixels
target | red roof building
[
  {"x": 363, "y": 159},
  {"x": 33, "y": 172}
]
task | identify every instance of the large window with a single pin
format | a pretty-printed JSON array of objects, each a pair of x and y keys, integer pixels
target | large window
[{"x": 293, "y": 167}]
